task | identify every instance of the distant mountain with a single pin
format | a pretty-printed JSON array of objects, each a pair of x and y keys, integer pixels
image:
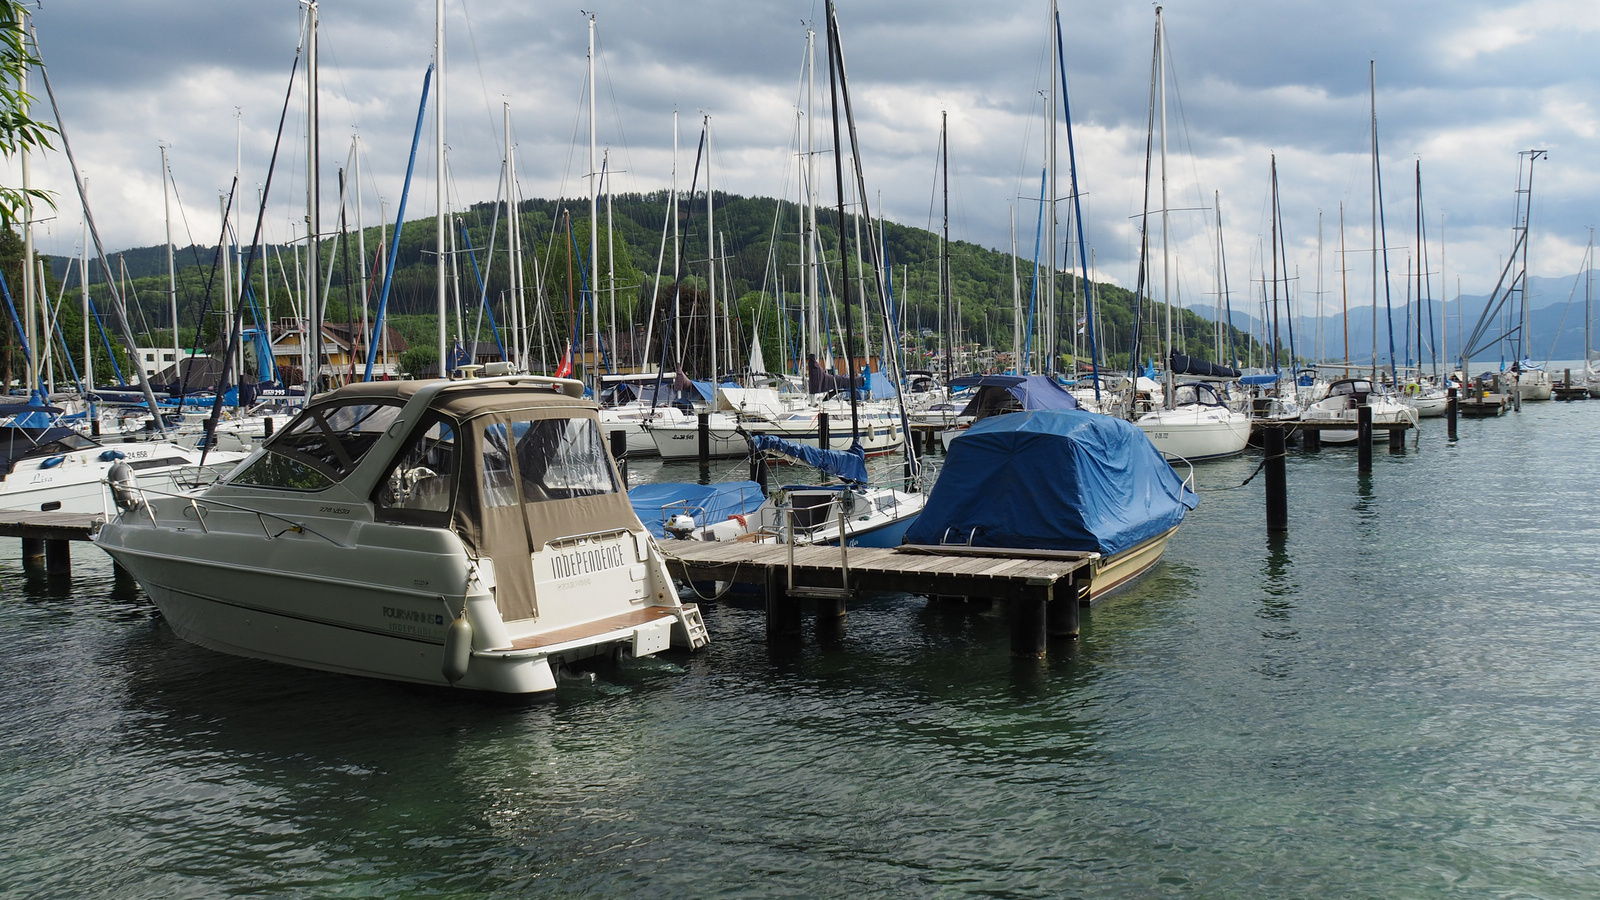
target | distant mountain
[{"x": 1556, "y": 325}]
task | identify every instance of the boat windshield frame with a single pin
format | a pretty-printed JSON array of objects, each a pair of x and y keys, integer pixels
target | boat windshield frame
[{"x": 322, "y": 447}]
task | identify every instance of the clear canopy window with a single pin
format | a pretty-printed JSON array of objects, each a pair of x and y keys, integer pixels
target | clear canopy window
[
  {"x": 555, "y": 459},
  {"x": 321, "y": 447},
  {"x": 422, "y": 477}
]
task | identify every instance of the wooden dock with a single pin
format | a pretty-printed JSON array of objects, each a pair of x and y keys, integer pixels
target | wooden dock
[
  {"x": 1486, "y": 406},
  {"x": 1042, "y": 590},
  {"x": 45, "y": 537}
]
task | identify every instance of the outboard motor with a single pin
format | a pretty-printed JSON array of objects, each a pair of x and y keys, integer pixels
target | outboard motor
[{"x": 124, "y": 487}]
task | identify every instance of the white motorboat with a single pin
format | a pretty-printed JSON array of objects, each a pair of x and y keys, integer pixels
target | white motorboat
[
  {"x": 56, "y": 469},
  {"x": 470, "y": 533},
  {"x": 1200, "y": 425},
  {"x": 1343, "y": 404}
]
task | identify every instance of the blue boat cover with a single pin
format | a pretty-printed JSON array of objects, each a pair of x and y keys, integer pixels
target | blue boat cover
[
  {"x": 1005, "y": 393},
  {"x": 1053, "y": 480},
  {"x": 880, "y": 387},
  {"x": 851, "y": 465},
  {"x": 1259, "y": 380},
  {"x": 706, "y": 503}
]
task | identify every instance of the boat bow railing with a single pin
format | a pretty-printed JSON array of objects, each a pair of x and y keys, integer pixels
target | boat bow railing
[{"x": 194, "y": 503}]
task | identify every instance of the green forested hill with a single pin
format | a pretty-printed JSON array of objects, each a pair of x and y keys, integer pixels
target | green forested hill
[{"x": 762, "y": 259}]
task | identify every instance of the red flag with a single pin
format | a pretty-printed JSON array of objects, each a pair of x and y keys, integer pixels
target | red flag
[{"x": 565, "y": 369}]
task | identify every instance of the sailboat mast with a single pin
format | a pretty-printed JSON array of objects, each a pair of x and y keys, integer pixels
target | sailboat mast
[
  {"x": 944, "y": 248},
  {"x": 361, "y": 255},
  {"x": 439, "y": 190},
  {"x": 89, "y": 322},
  {"x": 513, "y": 247},
  {"x": 172, "y": 270},
  {"x": 1588, "y": 303},
  {"x": 1344, "y": 287},
  {"x": 611, "y": 256},
  {"x": 711, "y": 256},
  {"x": 1527, "y": 221},
  {"x": 1016, "y": 297},
  {"x": 813, "y": 270},
  {"x": 1372, "y": 86},
  {"x": 1166, "y": 256},
  {"x": 29, "y": 289},
  {"x": 594, "y": 222},
  {"x": 311, "y": 374},
  {"x": 1275, "y": 339},
  {"x": 1051, "y": 343}
]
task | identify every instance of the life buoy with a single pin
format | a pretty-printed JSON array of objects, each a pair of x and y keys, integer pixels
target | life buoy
[{"x": 741, "y": 520}]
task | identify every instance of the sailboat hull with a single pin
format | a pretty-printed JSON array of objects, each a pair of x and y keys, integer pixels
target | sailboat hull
[{"x": 1197, "y": 433}]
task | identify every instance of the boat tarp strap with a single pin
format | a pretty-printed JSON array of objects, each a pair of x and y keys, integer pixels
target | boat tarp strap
[
  {"x": 656, "y": 504},
  {"x": 851, "y": 464},
  {"x": 1052, "y": 480}
]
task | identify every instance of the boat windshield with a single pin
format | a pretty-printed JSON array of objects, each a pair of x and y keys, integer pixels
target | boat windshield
[
  {"x": 321, "y": 447},
  {"x": 554, "y": 459}
]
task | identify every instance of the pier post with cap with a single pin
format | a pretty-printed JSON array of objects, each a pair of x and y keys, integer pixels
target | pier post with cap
[
  {"x": 1450, "y": 411},
  {"x": 1277, "y": 479},
  {"x": 1364, "y": 439},
  {"x": 619, "y": 452}
]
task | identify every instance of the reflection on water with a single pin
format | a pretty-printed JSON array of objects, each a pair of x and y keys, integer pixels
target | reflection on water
[{"x": 1394, "y": 698}]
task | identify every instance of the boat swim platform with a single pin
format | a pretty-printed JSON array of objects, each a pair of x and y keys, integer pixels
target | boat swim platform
[
  {"x": 1042, "y": 589},
  {"x": 46, "y": 537}
]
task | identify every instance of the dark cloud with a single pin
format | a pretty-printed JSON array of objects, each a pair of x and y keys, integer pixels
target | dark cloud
[{"x": 1463, "y": 85}]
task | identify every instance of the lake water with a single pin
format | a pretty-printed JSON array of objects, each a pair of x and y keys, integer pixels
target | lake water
[{"x": 1399, "y": 698}]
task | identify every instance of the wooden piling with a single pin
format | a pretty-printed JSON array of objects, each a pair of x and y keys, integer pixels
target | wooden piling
[
  {"x": 784, "y": 622},
  {"x": 266, "y": 427},
  {"x": 1311, "y": 438},
  {"x": 1062, "y": 616},
  {"x": 33, "y": 555},
  {"x": 619, "y": 452},
  {"x": 1364, "y": 439},
  {"x": 1450, "y": 411},
  {"x": 823, "y": 437},
  {"x": 703, "y": 427},
  {"x": 1029, "y": 626},
  {"x": 58, "y": 558},
  {"x": 1277, "y": 479},
  {"x": 1397, "y": 440}
]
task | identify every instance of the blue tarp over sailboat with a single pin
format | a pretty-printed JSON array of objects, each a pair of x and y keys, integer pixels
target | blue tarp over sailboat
[
  {"x": 1053, "y": 480},
  {"x": 655, "y": 504},
  {"x": 851, "y": 465},
  {"x": 1005, "y": 393}
]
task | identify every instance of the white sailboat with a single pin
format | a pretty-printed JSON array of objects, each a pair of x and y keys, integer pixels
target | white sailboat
[{"x": 1194, "y": 430}]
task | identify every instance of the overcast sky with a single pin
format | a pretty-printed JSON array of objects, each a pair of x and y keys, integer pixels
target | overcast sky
[{"x": 1462, "y": 86}]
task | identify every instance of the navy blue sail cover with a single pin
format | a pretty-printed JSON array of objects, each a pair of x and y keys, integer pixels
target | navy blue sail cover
[{"x": 1053, "y": 480}]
